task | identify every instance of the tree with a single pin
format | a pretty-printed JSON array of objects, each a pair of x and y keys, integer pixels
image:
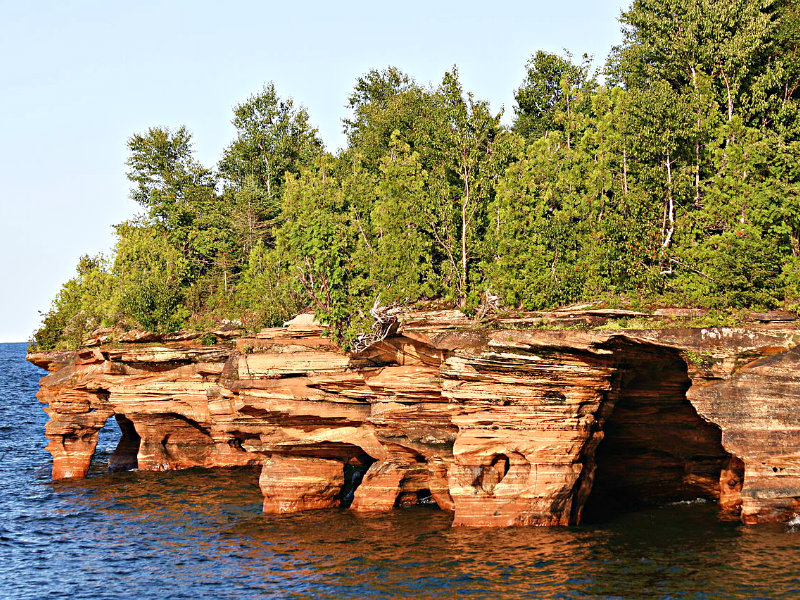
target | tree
[
  {"x": 384, "y": 103},
  {"x": 181, "y": 197},
  {"x": 315, "y": 242},
  {"x": 470, "y": 130},
  {"x": 273, "y": 138},
  {"x": 736, "y": 42},
  {"x": 165, "y": 175},
  {"x": 83, "y": 304},
  {"x": 150, "y": 278},
  {"x": 553, "y": 85},
  {"x": 404, "y": 218},
  {"x": 267, "y": 293},
  {"x": 373, "y": 91}
]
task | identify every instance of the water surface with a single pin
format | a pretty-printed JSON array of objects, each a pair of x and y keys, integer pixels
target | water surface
[{"x": 200, "y": 534}]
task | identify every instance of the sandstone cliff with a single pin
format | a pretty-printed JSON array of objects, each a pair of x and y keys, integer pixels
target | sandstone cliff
[{"x": 500, "y": 426}]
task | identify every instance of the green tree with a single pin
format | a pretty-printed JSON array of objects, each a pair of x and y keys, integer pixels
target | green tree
[
  {"x": 267, "y": 293},
  {"x": 166, "y": 176},
  {"x": 553, "y": 84},
  {"x": 83, "y": 304},
  {"x": 150, "y": 277},
  {"x": 315, "y": 242},
  {"x": 273, "y": 138},
  {"x": 373, "y": 92},
  {"x": 470, "y": 130},
  {"x": 404, "y": 220}
]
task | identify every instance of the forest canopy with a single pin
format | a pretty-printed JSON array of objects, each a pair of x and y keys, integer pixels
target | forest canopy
[{"x": 670, "y": 177}]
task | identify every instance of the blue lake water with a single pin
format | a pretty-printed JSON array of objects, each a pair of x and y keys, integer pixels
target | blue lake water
[{"x": 200, "y": 534}]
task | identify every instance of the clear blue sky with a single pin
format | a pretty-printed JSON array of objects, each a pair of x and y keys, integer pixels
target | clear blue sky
[{"x": 78, "y": 78}]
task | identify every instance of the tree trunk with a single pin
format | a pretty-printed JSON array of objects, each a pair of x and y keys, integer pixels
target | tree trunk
[
  {"x": 464, "y": 226},
  {"x": 730, "y": 95},
  {"x": 625, "y": 172},
  {"x": 669, "y": 208},
  {"x": 697, "y": 143}
]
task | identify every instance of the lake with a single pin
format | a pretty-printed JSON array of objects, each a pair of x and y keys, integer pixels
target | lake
[{"x": 201, "y": 534}]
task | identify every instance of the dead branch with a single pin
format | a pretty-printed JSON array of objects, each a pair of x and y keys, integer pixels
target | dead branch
[{"x": 385, "y": 324}]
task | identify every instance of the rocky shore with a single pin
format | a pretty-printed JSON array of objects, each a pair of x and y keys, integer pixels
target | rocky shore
[{"x": 503, "y": 422}]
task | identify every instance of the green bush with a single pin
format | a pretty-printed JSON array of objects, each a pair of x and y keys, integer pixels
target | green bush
[{"x": 156, "y": 305}]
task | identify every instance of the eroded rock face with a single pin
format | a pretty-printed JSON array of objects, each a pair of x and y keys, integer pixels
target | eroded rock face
[
  {"x": 296, "y": 483},
  {"x": 502, "y": 427},
  {"x": 758, "y": 409}
]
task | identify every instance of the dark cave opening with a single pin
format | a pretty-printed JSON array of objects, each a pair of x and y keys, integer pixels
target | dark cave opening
[
  {"x": 117, "y": 446},
  {"x": 354, "y": 470},
  {"x": 421, "y": 497},
  {"x": 125, "y": 456},
  {"x": 489, "y": 476},
  {"x": 656, "y": 449}
]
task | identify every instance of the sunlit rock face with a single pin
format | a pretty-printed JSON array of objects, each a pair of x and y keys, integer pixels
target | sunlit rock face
[{"x": 502, "y": 427}]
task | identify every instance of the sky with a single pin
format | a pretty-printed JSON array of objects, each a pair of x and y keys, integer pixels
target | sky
[{"x": 78, "y": 78}]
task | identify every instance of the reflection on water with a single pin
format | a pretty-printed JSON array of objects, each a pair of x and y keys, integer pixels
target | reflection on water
[{"x": 200, "y": 534}]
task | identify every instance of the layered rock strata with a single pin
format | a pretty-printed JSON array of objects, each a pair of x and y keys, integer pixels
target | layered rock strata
[{"x": 500, "y": 426}]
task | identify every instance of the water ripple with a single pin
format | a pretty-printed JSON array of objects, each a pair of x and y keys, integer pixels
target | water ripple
[{"x": 200, "y": 535}]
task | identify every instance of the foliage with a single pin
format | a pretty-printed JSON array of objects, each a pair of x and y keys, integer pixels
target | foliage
[
  {"x": 674, "y": 180},
  {"x": 316, "y": 241},
  {"x": 554, "y": 89},
  {"x": 81, "y": 305},
  {"x": 272, "y": 139},
  {"x": 208, "y": 339}
]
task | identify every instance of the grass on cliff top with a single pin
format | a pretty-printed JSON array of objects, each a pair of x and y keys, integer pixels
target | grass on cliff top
[{"x": 713, "y": 318}]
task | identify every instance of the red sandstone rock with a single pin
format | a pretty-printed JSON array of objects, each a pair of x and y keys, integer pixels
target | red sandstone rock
[
  {"x": 296, "y": 483},
  {"x": 773, "y": 316},
  {"x": 502, "y": 427}
]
